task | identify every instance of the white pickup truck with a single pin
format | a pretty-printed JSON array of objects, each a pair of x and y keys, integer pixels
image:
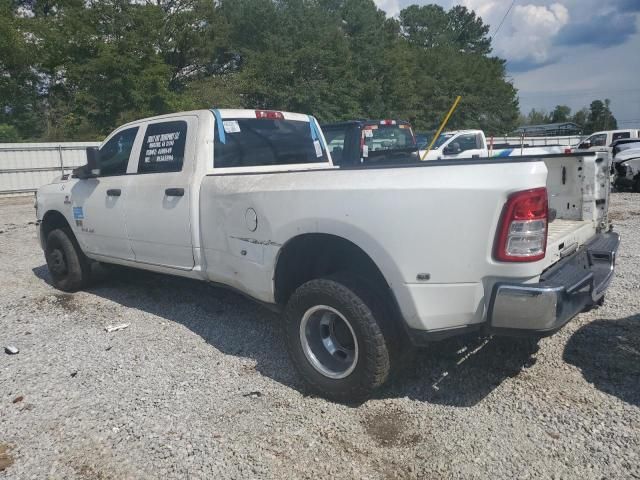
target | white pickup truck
[
  {"x": 602, "y": 141},
  {"x": 363, "y": 261},
  {"x": 460, "y": 144}
]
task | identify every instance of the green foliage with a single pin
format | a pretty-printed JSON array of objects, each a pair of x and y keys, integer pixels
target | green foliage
[
  {"x": 8, "y": 133},
  {"x": 597, "y": 117},
  {"x": 75, "y": 69},
  {"x": 561, "y": 113},
  {"x": 600, "y": 117}
]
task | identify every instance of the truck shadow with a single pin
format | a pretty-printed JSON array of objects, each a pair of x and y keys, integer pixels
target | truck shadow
[
  {"x": 462, "y": 371},
  {"x": 458, "y": 372},
  {"x": 608, "y": 354}
]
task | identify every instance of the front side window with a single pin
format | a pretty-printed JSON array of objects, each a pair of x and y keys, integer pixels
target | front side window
[
  {"x": 442, "y": 139},
  {"x": 114, "y": 155},
  {"x": 598, "y": 140},
  {"x": 163, "y": 147},
  {"x": 251, "y": 142}
]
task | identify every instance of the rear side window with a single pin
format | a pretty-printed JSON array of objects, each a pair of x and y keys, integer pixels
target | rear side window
[
  {"x": 250, "y": 142},
  {"x": 619, "y": 135},
  {"x": 163, "y": 147},
  {"x": 467, "y": 142},
  {"x": 335, "y": 138},
  {"x": 114, "y": 155}
]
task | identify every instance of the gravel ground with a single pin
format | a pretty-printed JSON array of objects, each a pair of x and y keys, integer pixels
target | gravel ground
[{"x": 199, "y": 386}]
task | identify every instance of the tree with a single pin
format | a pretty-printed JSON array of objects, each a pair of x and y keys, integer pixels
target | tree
[
  {"x": 430, "y": 26},
  {"x": 75, "y": 69},
  {"x": 580, "y": 117},
  {"x": 8, "y": 133},
  {"x": 600, "y": 117},
  {"x": 538, "y": 117},
  {"x": 560, "y": 114}
]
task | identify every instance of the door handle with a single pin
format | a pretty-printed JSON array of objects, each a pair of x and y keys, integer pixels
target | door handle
[
  {"x": 114, "y": 192},
  {"x": 174, "y": 192}
]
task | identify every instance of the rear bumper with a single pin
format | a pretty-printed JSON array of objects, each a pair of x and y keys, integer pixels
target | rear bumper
[
  {"x": 569, "y": 287},
  {"x": 572, "y": 285}
]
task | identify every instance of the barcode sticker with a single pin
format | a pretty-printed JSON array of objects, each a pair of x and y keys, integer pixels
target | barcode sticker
[{"x": 318, "y": 147}]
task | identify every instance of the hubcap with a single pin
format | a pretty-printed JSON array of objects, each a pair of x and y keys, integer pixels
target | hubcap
[
  {"x": 328, "y": 341},
  {"x": 57, "y": 262}
]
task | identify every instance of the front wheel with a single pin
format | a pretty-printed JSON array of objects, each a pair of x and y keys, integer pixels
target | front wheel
[
  {"x": 335, "y": 340},
  {"x": 69, "y": 267}
]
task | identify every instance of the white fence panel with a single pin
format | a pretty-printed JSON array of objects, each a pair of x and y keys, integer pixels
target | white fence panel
[{"x": 26, "y": 166}]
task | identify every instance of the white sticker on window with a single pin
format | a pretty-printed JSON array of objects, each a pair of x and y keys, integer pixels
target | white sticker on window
[
  {"x": 231, "y": 126},
  {"x": 368, "y": 133},
  {"x": 316, "y": 144},
  {"x": 365, "y": 151}
]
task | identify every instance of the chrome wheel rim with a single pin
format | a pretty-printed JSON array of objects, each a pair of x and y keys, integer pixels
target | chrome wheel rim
[{"x": 328, "y": 341}]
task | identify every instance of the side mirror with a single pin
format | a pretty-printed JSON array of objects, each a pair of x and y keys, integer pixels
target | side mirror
[
  {"x": 584, "y": 145},
  {"x": 92, "y": 168}
]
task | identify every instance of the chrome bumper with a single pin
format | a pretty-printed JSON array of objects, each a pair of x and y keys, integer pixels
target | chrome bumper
[{"x": 569, "y": 287}]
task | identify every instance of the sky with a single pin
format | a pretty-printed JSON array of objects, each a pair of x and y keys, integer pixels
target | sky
[{"x": 566, "y": 52}]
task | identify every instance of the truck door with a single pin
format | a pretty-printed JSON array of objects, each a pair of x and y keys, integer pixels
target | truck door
[
  {"x": 158, "y": 207},
  {"x": 98, "y": 203}
]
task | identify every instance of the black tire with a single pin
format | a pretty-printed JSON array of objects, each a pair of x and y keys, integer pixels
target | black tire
[
  {"x": 69, "y": 268},
  {"x": 364, "y": 314}
]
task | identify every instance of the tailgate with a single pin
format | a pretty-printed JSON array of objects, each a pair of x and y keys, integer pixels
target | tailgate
[{"x": 578, "y": 188}]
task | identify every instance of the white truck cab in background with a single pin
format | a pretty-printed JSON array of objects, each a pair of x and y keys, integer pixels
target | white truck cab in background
[
  {"x": 601, "y": 141},
  {"x": 251, "y": 200},
  {"x": 459, "y": 144}
]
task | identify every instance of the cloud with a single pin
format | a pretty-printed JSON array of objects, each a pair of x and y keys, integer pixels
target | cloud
[
  {"x": 527, "y": 64},
  {"x": 529, "y": 40},
  {"x": 392, "y": 7},
  {"x": 606, "y": 30}
]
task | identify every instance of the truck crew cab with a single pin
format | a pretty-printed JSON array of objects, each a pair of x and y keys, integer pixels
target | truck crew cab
[
  {"x": 362, "y": 260},
  {"x": 371, "y": 142}
]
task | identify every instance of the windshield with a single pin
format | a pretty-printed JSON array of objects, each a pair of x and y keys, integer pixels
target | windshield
[
  {"x": 251, "y": 142},
  {"x": 442, "y": 139},
  {"x": 627, "y": 146}
]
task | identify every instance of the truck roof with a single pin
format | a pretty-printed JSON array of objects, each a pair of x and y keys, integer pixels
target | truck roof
[
  {"x": 225, "y": 113},
  {"x": 455, "y": 132},
  {"x": 363, "y": 122}
]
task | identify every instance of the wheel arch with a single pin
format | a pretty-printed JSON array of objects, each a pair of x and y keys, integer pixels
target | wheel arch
[
  {"x": 50, "y": 221},
  {"x": 313, "y": 255}
]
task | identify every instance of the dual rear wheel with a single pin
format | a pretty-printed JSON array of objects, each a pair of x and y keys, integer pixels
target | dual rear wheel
[{"x": 337, "y": 337}]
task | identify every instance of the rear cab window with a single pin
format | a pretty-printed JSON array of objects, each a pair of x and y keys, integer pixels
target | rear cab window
[
  {"x": 267, "y": 139},
  {"x": 387, "y": 136}
]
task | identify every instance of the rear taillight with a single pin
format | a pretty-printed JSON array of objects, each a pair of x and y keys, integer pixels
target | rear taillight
[
  {"x": 269, "y": 115},
  {"x": 522, "y": 236},
  {"x": 387, "y": 122}
]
